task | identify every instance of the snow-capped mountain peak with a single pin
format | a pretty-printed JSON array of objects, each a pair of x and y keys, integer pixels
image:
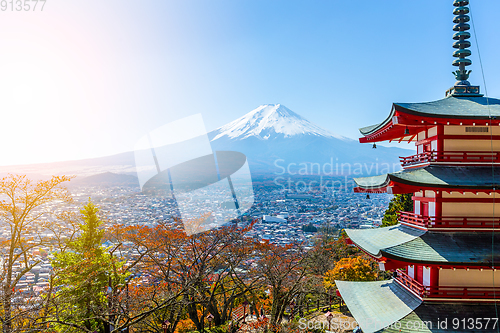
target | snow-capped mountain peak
[{"x": 270, "y": 121}]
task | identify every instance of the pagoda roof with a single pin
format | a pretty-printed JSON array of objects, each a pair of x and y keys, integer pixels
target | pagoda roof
[
  {"x": 433, "y": 176},
  {"x": 426, "y": 313},
  {"x": 387, "y": 307},
  {"x": 376, "y": 305},
  {"x": 406, "y": 244},
  {"x": 374, "y": 240},
  {"x": 414, "y": 116}
]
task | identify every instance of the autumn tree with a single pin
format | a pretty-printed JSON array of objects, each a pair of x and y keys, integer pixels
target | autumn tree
[
  {"x": 206, "y": 270},
  {"x": 232, "y": 281},
  {"x": 327, "y": 250},
  {"x": 163, "y": 271},
  {"x": 400, "y": 202},
  {"x": 25, "y": 207},
  {"x": 285, "y": 271},
  {"x": 350, "y": 269}
]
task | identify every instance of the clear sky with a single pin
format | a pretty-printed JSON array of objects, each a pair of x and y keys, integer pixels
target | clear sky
[{"x": 88, "y": 78}]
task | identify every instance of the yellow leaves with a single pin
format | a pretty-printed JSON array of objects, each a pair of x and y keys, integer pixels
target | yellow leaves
[
  {"x": 185, "y": 325},
  {"x": 349, "y": 269},
  {"x": 197, "y": 225}
]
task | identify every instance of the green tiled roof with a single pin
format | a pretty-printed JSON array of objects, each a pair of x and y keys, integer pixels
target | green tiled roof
[
  {"x": 369, "y": 129},
  {"x": 460, "y": 177},
  {"x": 455, "y": 107},
  {"x": 425, "y": 318},
  {"x": 472, "y": 248},
  {"x": 386, "y": 307},
  {"x": 431, "y": 247},
  {"x": 449, "y": 107},
  {"x": 375, "y": 240},
  {"x": 372, "y": 182},
  {"x": 376, "y": 305}
]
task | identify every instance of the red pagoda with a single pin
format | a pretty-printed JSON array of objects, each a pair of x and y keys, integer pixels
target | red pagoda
[{"x": 444, "y": 253}]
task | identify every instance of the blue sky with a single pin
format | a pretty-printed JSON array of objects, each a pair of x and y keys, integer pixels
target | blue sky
[{"x": 89, "y": 78}]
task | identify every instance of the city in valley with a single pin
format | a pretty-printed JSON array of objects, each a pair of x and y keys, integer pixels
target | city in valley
[{"x": 277, "y": 215}]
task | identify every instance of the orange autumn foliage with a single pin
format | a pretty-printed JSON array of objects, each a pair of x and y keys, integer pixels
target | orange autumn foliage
[{"x": 349, "y": 269}]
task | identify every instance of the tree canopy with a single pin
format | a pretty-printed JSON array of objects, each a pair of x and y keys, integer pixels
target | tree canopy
[
  {"x": 350, "y": 269},
  {"x": 400, "y": 202}
]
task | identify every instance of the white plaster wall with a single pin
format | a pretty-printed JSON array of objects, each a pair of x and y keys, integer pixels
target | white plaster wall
[
  {"x": 430, "y": 194},
  {"x": 432, "y": 131},
  {"x": 416, "y": 207},
  {"x": 432, "y": 209},
  {"x": 471, "y": 278},
  {"x": 468, "y": 195},
  {"x": 411, "y": 271},
  {"x": 478, "y": 209},
  {"x": 460, "y": 130},
  {"x": 470, "y": 145},
  {"x": 426, "y": 276}
]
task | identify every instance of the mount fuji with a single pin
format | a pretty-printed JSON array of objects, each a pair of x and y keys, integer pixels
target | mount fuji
[
  {"x": 269, "y": 122},
  {"x": 274, "y": 137}
]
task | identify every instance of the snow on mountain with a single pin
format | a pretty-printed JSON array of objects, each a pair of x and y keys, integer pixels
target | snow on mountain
[
  {"x": 269, "y": 122},
  {"x": 274, "y": 135}
]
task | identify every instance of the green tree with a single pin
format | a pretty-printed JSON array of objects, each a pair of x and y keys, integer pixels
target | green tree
[
  {"x": 400, "y": 202},
  {"x": 86, "y": 275},
  {"x": 24, "y": 208}
]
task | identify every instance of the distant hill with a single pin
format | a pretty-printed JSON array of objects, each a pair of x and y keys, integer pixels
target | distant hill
[{"x": 106, "y": 178}]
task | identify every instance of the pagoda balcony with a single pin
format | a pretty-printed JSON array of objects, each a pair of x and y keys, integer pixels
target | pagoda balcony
[
  {"x": 450, "y": 157},
  {"x": 420, "y": 221},
  {"x": 409, "y": 283},
  {"x": 445, "y": 292}
]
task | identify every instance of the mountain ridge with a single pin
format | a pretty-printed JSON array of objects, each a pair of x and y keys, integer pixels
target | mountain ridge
[
  {"x": 273, "y": 133},
  {"x": 269, "y": 118},
  {"x": 267, "y": 135}
]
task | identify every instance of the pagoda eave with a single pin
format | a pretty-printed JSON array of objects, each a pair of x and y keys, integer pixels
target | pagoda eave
[
  {"x": 404, "y": 312},
  {"x": 435, "y": 178},
  {"x": 406, "y": 120},
  {"x": 366, "y": 299},
  {"x": 398, "y": 262},
  {"x": 439, "y": 249},
  {"x": 401, "y": 188}
]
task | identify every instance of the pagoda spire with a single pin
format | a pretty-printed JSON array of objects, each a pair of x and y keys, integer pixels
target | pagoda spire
[{"x": 462, "y": 44}]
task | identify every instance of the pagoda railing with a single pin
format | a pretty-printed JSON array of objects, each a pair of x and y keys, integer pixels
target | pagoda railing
[
  {"x": 414, "y": 219},
  {"x": 410, "y": 283},
  {"x": 450, "y": 292},
  {"x": 448, "y": 221},
  {"x": 451, "y": 156},
  {"x": 461, "y": 292}
]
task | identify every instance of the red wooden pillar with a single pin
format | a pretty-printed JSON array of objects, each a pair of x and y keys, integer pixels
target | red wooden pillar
[
  {"x": 434, "y": 276},
  {"x": 424, "y": 208},
  {"x": 419, "y": 273},
  {"x": 440, "y": 133},
  {"x": 434, "y": 279},
  {"x": 439, "y": 205}
]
